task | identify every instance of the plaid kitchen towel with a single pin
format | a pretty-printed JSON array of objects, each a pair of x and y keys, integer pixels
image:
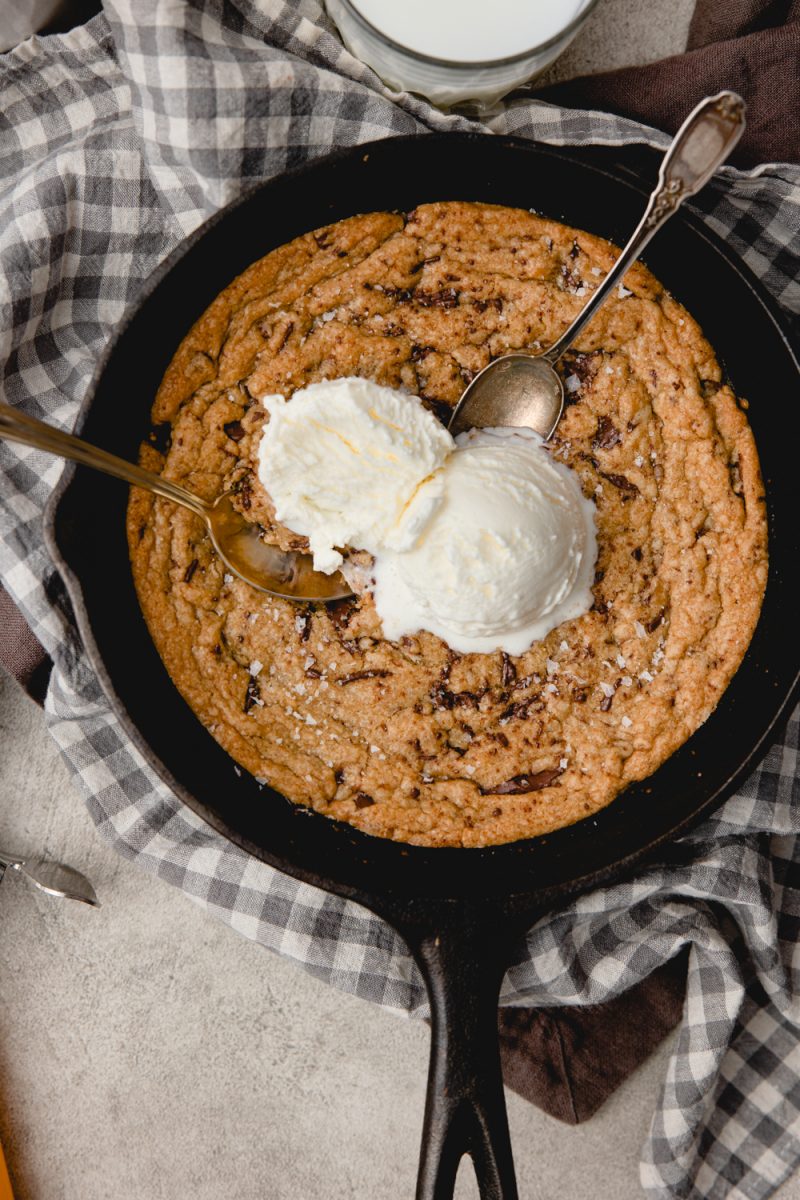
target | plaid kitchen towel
[{"x": 116, "y": 141}]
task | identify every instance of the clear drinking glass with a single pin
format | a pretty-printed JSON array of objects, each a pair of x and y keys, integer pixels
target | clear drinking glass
[{"x": 447, "y": 82}]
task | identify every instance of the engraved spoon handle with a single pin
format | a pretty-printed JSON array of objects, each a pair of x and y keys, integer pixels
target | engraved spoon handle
[
  {"x": 16, "y": 426},
  {"x": 703, "y": 142}
]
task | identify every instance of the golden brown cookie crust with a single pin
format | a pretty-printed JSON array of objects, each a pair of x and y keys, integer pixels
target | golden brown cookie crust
[{"x": 411, "y": 741}]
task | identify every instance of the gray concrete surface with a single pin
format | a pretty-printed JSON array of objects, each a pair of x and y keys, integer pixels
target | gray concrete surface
[{"x": 147, "y": 1051}]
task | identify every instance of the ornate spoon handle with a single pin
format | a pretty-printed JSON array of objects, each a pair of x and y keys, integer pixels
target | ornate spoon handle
[{"x": 703, "y": 142}]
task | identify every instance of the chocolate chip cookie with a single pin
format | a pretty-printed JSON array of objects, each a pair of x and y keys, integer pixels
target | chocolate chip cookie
[{"x": 410, "y": 740}]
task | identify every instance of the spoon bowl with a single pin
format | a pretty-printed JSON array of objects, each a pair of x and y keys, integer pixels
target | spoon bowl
[
  {"x": 280, "y": 572},
  {"x": 517, "y": 391},
  {"x": 54, "y": 878}
]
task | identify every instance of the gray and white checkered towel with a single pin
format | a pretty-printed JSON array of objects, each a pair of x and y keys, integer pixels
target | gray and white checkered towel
[{"x": 117, "y": 140}]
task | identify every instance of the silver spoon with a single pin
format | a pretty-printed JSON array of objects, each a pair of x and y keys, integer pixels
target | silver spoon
[
  {"x": 238, "y": 542},
  {"x": 53, "y": 878},
  {"x": 523, "y": 391}
]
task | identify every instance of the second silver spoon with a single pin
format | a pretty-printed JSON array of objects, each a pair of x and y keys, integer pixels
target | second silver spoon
[
  {"x": 238, "y": 542},
  {"x": 524, "y": 391}
]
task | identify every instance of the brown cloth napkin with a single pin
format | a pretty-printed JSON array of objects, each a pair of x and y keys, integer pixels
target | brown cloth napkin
[
  {"x": 569, "y": 1061},
  {"x": 20, "y": 653},
  {"x": 751, "y": 46}
]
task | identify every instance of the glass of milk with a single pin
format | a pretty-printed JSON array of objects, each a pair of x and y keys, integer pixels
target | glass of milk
[{"x": 456, "y": 50}]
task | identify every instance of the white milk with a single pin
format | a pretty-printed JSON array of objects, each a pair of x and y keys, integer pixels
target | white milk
[
  {"x": 466, "y": 44},
  {"x": 469, "y": 31}
]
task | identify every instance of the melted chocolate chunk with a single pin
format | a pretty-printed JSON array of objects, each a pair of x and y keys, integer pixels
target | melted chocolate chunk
[
  {"x": 188, "y": 574},
  {"x": 252, "y": 695},
  {"x": 621, "y": 482},
  {"x": 443, "y": 698},
  {"x": 234, "y": 430},
  {"x": 243, "y": 488},
  {"x": 572, "y": 279},
  {"x": 520, "y": 785},
  {"x": 521, "y": 709},
  {"x": 401, "y": 295},
  {"x": 287, "y": 333},
  {"x": 653, "y": 624},
  {"x": 343, "y": 680},
  {"x": 440, "y": 408},
  {"x": 362, "y": 800},
  {"x": 606, "y": 435},
  {"x": 494, "y": 302},
  {"x": 446, "y": 298},
  {"x": 735, "y": 473},
  {"x": 583, "y": 364},
  {"x": 509, "y": 671},
  {"x": 341, "y": 612}
]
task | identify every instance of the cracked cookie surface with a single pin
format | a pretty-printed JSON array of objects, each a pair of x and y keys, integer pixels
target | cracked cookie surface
[{"x": 409, "y": 740}]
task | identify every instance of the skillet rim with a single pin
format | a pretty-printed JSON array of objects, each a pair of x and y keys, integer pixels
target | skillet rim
[{"x": 606, "y": 870}]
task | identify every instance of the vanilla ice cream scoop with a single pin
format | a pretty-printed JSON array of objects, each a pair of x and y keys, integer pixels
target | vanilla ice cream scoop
[
  {"x": 508, "y": 555},
  {"x": 485, "y": 541},
  {"x": 344, "y": 462}
]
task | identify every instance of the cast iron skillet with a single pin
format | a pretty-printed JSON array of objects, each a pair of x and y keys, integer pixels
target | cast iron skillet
[{"x": 463, "y": 913}]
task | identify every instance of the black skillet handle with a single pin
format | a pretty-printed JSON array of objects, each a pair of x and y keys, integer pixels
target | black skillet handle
[{"x": 463, "y": 963}]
